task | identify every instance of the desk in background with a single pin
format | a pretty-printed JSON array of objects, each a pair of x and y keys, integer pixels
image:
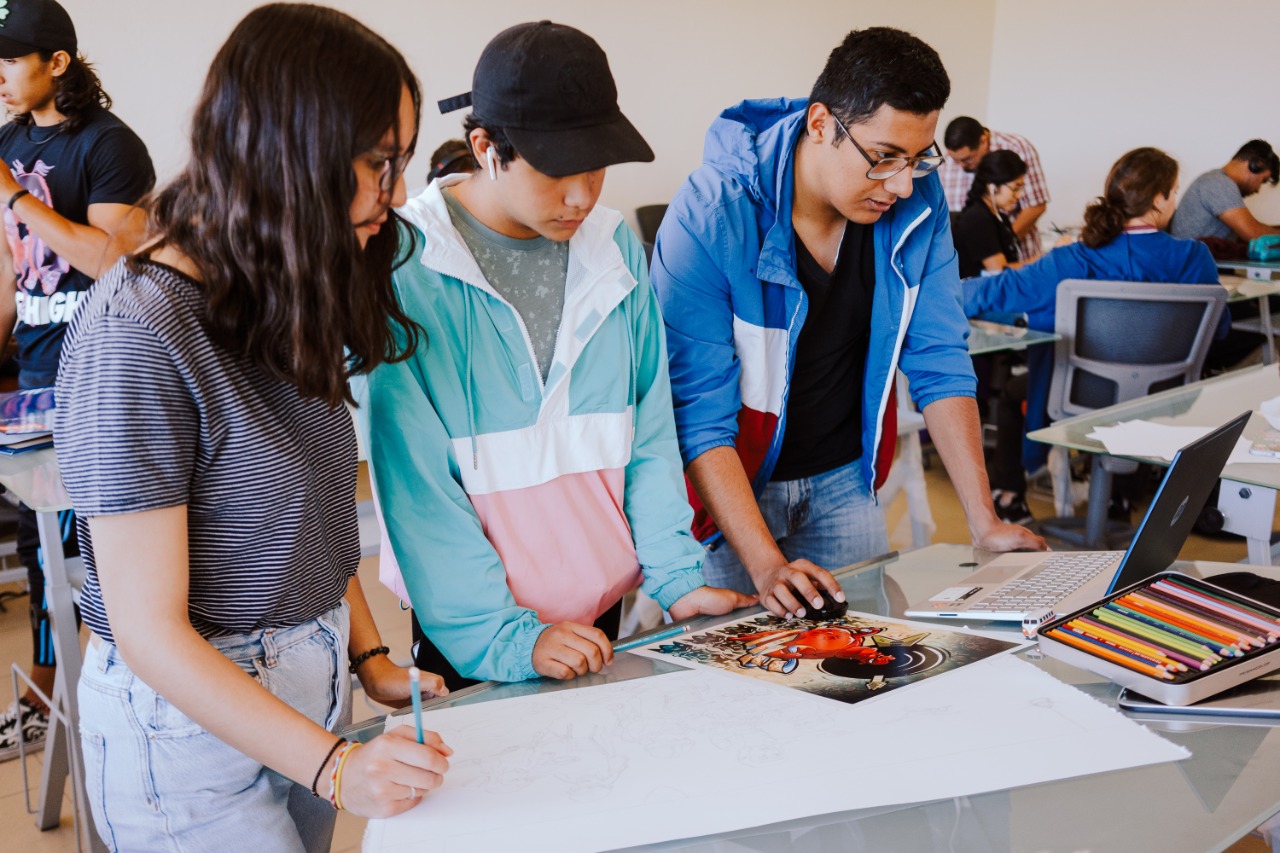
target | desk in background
[
  {"x": 1245, "y": 287},
  {"x": 1247, "y": 497},
  {"x": 907, "y": 473},
  {"x": 34, "y": 478},
  {"x": 1203, "y": 803}
]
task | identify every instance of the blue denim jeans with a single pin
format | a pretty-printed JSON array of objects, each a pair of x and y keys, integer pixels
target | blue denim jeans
[
  {"x": 830, "y": 519},
  {"x": 158, "y": 781}
]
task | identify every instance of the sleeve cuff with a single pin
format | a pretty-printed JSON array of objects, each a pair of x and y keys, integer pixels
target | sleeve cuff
[
  {"x": 674, "y": 590},
  {"x": 697, "y": 450},
  {"x": 523, "y": 655},
  {"x": 944, "y": 395}
]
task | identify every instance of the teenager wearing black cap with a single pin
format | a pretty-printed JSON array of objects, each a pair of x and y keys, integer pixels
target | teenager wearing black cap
[
  {"x": 525, "y": 461},
  {"x": 69, "y": 173}
]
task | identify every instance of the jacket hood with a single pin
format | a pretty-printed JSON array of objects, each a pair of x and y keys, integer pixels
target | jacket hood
[{"x": 754, "y": 139}]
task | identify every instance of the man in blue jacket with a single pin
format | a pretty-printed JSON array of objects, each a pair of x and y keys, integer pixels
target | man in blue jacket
[{"x": 806, "y": 261}]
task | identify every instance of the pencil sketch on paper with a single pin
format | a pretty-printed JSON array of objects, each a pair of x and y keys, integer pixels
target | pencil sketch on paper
[{"x": 849, "y": 659}]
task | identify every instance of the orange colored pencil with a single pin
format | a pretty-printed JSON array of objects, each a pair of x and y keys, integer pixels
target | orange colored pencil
[
  {"x": 1132, "y": 645},
  {"x": 1152, "y": 671},
  {"x": 1186, "y": 620}
]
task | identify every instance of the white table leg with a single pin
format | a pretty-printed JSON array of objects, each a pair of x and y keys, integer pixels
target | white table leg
[{"x": 1249, "y": 512}]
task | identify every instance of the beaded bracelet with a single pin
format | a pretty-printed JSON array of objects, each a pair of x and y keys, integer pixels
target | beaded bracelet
[
  {"x": 359, "y": 659},
  {"x": 335, "y": 796},
  {"x": 316, "y": 781}
]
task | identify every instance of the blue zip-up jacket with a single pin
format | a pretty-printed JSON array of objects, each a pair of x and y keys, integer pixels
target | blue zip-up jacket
[{"x": 725, "y": 271}]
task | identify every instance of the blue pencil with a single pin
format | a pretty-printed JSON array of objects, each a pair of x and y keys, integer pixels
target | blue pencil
[
  {"x": 416, "y": 689},
  {"x": 649, "y": 638}
]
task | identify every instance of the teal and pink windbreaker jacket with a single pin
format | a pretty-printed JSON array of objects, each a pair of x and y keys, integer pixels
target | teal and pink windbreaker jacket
[{"x": 511, "y": 503}]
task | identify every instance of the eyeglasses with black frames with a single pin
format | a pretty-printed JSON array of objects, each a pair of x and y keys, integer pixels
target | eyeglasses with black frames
[{"x": 887, "y": 167}]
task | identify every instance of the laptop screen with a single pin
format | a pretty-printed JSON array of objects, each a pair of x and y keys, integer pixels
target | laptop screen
[{"x": 1177, "y": 504}]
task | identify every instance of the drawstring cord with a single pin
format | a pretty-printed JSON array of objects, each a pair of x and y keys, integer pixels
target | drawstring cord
[{"x": 466, "y": 388}]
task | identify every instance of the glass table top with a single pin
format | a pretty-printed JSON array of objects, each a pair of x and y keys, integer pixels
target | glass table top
[
  {"x": 986, "y": 336},
  {"x": 34, "y": 478},
  {"x": 1209, "y": 403},
  {"x": 1204, "y": 803}
]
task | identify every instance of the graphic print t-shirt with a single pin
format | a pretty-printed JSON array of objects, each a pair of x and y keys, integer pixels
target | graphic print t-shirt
[{"x": 104, "y": 162}]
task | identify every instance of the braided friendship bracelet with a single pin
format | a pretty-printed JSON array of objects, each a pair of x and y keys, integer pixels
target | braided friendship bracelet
[
  {"x": 361, "y": 658},
  {"x": 316, "y": 781}
]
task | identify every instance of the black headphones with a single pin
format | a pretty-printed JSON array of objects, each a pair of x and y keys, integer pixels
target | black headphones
[{"x": 1257, "y": 167}]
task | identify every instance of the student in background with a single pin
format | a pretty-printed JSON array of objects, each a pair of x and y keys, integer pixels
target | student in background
[
  {"x": 806, "y": 261},
  {"x": 69, "y": 173},
  {"x": 967, "y": 143},
  {"x": 983, "y": 233},
  {"x": 525, "y": 462},
  {"x": 453, "y": 157},
  {"x": 1213, "y": 206},
  {"x": 1123, "y": 239},
  {"x": 216, "y": 497}
]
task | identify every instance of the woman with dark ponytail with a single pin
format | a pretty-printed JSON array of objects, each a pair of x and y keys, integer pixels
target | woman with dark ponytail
[
  {"x": 983, "y": 232},
  {"x": 1124, "y": 239}
]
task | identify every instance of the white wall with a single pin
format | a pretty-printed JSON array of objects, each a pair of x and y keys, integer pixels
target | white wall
[
  {"x": 677, "y": 62},
  {"x": 1086, "y": 81}
]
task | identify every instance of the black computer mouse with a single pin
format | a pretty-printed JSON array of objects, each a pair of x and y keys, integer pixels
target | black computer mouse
[{"x": 830, "y": 609}]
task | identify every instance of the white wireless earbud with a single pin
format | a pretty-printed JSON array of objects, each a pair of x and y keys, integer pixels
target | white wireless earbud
[{"x": 493, "y": 166}]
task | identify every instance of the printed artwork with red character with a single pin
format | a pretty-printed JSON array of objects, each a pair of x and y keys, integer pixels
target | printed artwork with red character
[{"x": 848, "y": 659}]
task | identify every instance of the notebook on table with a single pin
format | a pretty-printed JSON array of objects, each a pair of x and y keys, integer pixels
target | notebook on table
[{"x": 1014, "y": 585}]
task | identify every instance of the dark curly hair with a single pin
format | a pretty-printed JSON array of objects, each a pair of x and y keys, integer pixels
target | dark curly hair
[
  {"x": 263, "y": 206},
  {"x": 75, "y": 92}
]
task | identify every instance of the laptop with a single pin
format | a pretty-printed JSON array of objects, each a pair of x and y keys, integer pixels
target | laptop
[{"x": 1016, "y": 585}]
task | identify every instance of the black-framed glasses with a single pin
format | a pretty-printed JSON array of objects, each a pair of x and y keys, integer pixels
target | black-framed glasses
[
  {"x": 388, "y": 167},
  {"x": 887, "y": 167}
]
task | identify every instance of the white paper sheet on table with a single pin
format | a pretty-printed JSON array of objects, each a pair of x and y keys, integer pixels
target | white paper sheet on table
[
  {"x": 699, "y": 752},
  {"x": 1162, "y": 441}
]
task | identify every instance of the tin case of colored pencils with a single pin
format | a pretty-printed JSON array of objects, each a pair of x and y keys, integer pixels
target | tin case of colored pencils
[{"x": 1085, "y": 639}]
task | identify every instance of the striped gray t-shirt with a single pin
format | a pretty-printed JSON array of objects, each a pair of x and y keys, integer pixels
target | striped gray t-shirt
[{"x": 152, "y": 414}]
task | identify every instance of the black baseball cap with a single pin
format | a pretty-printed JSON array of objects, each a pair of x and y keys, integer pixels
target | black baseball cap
[
  {"x": 549, "y": 88},
  {"x": 27, "y": 26}
]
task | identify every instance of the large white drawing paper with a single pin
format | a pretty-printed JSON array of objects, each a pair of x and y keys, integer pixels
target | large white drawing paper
[{"x": 692, "y": 753}]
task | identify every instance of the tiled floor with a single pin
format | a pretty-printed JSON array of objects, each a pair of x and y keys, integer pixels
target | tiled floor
[{"x": 20, "y": 834}]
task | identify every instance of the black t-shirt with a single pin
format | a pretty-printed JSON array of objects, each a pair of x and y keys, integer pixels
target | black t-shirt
[
  {"x": 979, "y": 234},
  {"x": 824, "y": 405},
  {"x": 104, "y": 162}
]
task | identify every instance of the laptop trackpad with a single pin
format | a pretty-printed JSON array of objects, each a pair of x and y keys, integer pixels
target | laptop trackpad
[{"x": 1005, "y": 567}]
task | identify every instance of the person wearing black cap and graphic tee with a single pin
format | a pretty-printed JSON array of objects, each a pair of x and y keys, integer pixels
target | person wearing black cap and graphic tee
[
  {"x": 69, "y": 173},
  {"x": 525, "y": 462}
]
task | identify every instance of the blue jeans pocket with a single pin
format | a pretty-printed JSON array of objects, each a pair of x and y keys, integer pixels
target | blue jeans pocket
[{"x": 94, "y": 749}]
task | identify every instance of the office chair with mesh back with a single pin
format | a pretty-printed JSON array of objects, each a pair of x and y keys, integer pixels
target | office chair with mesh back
[
  {"x": 649, "y": 218},
  {"x": 1123, "y": 340}
]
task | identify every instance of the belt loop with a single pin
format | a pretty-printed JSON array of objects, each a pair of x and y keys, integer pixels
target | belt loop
[{"x": 269, "y": 651}]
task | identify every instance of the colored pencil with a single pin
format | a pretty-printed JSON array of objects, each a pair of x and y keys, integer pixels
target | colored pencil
[
  {"x": 1158, "y": 635},
  {"x": 1101, "y": 644},
  {"x": 1170, "y": 599},
  {"x": 1147, "y": 604},
  {"x": 415, "y": 691},
  {"x": 1071, "y": 639},
  {"x": 1198, "y": 641},
  {"x": 1270, "y": 618},
  {"x": 1236, "y": 614},
  {"x": 1128, "y": 642}
]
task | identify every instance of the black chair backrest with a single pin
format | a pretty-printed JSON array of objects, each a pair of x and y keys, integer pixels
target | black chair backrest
[
  {"x": 649, "y": 218},
  {"x": 1124, "y": 340}
]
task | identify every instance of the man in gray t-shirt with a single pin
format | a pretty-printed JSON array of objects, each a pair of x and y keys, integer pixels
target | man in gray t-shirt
[{"x": 1213, "y": 206}]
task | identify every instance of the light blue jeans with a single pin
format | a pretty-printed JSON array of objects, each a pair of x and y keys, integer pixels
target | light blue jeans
[
  {"x": 157, "y": 781},
  {"x": 830, "y": 519}
]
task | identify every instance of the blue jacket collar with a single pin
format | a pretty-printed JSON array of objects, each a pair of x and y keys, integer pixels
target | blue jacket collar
[{"x": 755, "y": 140}]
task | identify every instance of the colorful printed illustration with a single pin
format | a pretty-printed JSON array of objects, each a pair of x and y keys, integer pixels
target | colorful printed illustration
[
  {"x": 38, "y": 267},
  {"x": 849, "y": 659}
]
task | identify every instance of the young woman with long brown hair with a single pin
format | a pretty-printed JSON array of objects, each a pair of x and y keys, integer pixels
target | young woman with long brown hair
[{"x": 206, "y": 449}]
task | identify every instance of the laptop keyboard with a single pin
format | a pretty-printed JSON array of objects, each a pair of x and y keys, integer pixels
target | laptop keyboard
[{"x": 1050, "y": 582}]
